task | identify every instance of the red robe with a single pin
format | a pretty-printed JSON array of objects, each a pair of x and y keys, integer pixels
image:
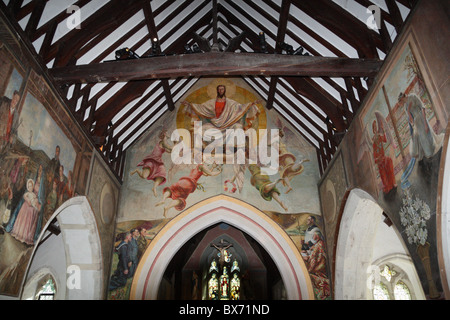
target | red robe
[
  {"x": 186, "y": 185},
  {"x": 384, "y": 164}
]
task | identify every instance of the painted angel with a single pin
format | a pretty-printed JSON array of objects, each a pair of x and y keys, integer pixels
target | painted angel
[
  {"x": 179, "y": 191},
  {"x": 153, "y": 167}
]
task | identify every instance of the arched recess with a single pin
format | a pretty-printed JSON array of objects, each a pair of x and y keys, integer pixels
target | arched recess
[
  {"x": 357, "y": 231},
  {"x": 238, "y": 214},
  {"x": 81, "y": 269}
]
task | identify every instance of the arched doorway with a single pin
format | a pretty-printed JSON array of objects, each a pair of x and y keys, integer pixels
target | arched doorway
[
  {"x": 221, "y": 209},
  {"x": 74, "y": 255},
  {"x": 365, "y": 244},
  {"x": 188, "y": 274}
]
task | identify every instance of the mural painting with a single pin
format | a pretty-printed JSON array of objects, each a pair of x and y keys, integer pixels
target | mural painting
[
  {"x": 195, "y": 153},
  {"x": 307, "y": 232},
  {"x": 131, "y": 240},
  {"x": 37, "y": 161},
  {"x": 403, "y": 134}
]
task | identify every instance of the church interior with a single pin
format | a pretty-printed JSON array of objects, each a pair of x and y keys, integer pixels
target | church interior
[{"x": 224, "y": 150}]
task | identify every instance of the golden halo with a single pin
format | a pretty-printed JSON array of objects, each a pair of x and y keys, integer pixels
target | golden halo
[{"x": 212, "y": 87}]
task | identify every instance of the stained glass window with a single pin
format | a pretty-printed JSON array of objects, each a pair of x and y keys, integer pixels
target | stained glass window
[
  {"x": 386, "y": 290},
  {"x": 380, "y": 292},
  {"x": 401, "y": 291}
]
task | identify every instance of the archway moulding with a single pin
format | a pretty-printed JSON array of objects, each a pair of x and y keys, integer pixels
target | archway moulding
[
  {"x": 82, "y": 244},
  {"x": 211, "y": 211}
]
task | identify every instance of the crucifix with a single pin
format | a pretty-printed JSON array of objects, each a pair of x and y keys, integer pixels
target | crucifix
[{"x": 224, "y": 255}]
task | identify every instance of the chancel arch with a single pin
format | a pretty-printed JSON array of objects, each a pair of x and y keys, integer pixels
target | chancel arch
[{"x": 221, "y": 209}]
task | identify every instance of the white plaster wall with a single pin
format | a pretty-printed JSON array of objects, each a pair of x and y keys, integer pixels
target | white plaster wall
[
  {"x": 355, "y": 243},
  {"x": 49, "y": 256},
  {"x": 387, "y": 241},
  {"x": 74, "y": 254},
  {"x": 445, "y": 213},
  {"x": 364, "y": 241}
]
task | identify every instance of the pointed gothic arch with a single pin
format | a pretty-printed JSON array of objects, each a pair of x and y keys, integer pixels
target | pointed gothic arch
[
  {"x": 356, "y": 236},
  {"x": 81, "y": 246},
  {"x": 234, "y": 212},
  {"x": 357, "y": 264}
]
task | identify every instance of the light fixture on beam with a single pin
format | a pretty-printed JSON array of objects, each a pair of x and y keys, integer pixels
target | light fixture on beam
[
  {"x": 194, "y": 49},
  {"x": 156, "y": 49},
  {"x": 126, "y": 54},
  {"x": 287, "y": 48},
  {"x": 298, "y": 51},
  {"x": 187, "y": 49},
  {"x": 262, "y": 43},
  {"x": 290, "y": 50}
]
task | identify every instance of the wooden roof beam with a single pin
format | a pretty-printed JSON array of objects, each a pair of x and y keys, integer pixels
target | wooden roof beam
[{"x": 217, "y": 64}]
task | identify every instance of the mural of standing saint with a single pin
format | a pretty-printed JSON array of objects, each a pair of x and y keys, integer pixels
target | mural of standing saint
[{"x": 384, "y": 163}]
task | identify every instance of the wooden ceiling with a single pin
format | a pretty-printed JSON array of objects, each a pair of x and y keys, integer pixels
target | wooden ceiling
[{"x": 318, "y": 91}]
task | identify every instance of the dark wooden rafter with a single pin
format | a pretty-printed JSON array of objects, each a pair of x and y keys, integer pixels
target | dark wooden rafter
[
  {"x": 287, "y": 79},
  {"x": 46, "y": 27},
  {"x": 284, "y": 14},
  {"x": 281, "y": 32},
  {"x": 150, "y": 118},
  {"x": 245, "y": 38},
  {"x": 288, "y": 112},
  {"x": 103, "y": 21},
  {"x": 216, "y": 63},
  {"x": 215, "y": 26},
  {"x": 347, "y": 27},
  {"x": 151, "y": 26},
  {"x": 14, "y": 7},
  {"x": 103, "y": 116},
  {"x": 252, "y": 37},
  {"x": 35, "y": 16},
  {"x": 395, "y": 14},
  {"x": 309, "y": 89}
]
